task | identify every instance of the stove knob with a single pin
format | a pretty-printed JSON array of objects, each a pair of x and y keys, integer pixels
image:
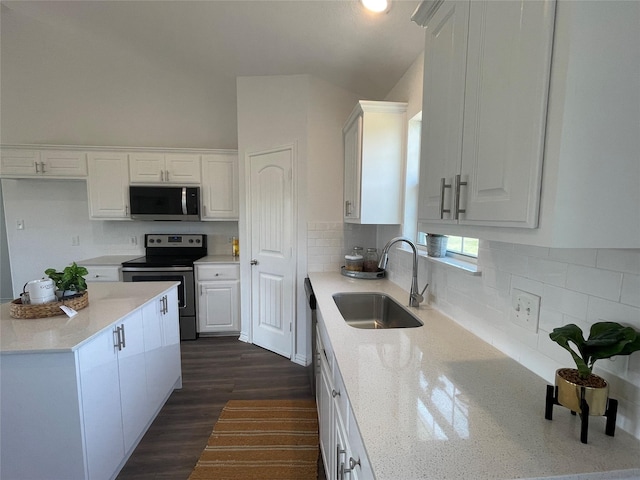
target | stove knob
[
  {"x": 151, "y": 240},
  {"x": 191, "y": 240},
  {"x": 198, "y": 240},
  {"x": 159, "y": 240}
]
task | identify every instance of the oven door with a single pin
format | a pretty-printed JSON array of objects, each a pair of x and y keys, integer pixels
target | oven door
[{"x": 184, "y": 275}]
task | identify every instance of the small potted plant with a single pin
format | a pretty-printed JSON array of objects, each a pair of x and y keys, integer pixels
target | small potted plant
[
  {"x": 606, "y": 340},
  {"x": 70, "y": 281},
  {"x": 436, "y": 245}
]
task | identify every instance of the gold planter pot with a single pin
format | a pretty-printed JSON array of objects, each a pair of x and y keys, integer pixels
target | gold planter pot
[{"x": 570, "y": 395}]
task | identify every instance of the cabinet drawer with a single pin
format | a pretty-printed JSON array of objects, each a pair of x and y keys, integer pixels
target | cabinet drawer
[
  {"x": 217, "y": 272},
  {"x": 103, "y": 274}
]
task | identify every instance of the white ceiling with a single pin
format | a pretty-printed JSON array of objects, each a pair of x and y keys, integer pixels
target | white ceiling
[{"x": 332, "y": 39}]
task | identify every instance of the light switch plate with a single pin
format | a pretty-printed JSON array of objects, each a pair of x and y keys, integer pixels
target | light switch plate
[{"x": 525, "y": 309}]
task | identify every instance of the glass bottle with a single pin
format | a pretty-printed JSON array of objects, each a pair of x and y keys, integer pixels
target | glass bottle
[
  {"x": 371, "y": 260},
  {"x": 355, "y": 260}
]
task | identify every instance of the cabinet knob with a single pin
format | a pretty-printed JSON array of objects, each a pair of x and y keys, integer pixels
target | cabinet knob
[
  {"x": 254, "y": 262},
  {"x": 335, "y": 393}
]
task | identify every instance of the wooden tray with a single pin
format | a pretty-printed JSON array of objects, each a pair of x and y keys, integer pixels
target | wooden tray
[{"x": 44, "y": 310}]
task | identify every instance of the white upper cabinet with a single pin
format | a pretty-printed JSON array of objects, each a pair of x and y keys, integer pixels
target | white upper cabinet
[
  {"x": 549, "y": 138},
  {"x": 485, "y": 99},
  {"x": 157, "y": 167},
  {"x": 108, "y": 186},
  {"x": 374, "y": 147},
  {"x": 220, "y": 198},
  {"x": 43, "y": 163}
]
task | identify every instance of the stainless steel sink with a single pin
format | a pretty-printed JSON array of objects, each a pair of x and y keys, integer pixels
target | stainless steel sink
[{"x": 374, "y": 310}]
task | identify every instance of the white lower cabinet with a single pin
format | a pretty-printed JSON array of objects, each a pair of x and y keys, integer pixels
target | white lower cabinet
[
  {"x": 341, "y": 446},
  {"x": 87, "y": 410},
  {"x": 101, "y": 405},
  {"x": 218, "y": 287}
]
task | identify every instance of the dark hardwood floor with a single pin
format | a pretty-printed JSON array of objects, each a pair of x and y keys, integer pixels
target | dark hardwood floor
[{"x": 214, "y": 370}]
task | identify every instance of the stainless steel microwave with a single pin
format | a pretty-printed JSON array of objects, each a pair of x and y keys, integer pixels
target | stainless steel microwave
[{"x": 164, "y": 203}]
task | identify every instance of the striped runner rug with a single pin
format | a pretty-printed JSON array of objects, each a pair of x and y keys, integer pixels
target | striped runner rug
[{"x": 262, "y": 439}]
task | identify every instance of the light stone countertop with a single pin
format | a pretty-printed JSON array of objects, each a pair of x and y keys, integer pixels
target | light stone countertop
[
  {"x": 109, "y": 302},
  {"x": 438, "y": 402},
  {"x": 217, "y": 259},
  {"x": 108, "y": 260}
]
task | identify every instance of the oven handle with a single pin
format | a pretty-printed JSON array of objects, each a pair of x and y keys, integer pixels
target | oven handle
[{"x": 157, "y": 269}]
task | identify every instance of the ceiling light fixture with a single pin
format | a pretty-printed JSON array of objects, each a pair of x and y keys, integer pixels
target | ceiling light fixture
[{"x": 377, "y": 6}]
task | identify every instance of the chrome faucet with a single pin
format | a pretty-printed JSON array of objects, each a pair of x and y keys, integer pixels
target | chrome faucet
[{"x": 415, "y": 298}]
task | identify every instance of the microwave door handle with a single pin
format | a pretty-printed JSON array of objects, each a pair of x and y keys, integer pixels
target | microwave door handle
[{"x": 184, "y": 200}]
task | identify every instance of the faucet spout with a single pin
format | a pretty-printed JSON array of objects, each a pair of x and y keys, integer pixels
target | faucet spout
[{"x": 415, "y": 298}]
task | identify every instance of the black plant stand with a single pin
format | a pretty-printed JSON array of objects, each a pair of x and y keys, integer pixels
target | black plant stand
[{"x": 611, "y": 413}]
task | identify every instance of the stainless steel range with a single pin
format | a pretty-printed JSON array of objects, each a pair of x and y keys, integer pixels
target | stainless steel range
[{"x": 170, "y": 258}]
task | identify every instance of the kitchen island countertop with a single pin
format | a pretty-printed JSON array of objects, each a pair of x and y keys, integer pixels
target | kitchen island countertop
[
  {"x": 109, "y": 302},
  {"x": 438, "y": 402}
]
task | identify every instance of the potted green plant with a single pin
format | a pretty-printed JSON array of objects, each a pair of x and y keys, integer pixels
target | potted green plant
[
  {"x": 606, "y": 340},
  {"x": 70, "y": 281}
]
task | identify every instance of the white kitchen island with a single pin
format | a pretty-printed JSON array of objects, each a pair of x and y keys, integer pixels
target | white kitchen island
[
  {"x": 77, "y": 394},
  {"x": 438, "y": 402}
]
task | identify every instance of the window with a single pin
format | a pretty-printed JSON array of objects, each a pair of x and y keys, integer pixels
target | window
[{"x": 463, "y": 246}]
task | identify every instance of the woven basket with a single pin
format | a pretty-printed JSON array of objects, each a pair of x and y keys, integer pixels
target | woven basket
[{"x": 44, "y": 310}]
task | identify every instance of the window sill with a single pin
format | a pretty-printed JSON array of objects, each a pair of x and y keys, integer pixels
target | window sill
[
  {"x": 466, "y": 267},
  {"x": 469, "y": 268}
]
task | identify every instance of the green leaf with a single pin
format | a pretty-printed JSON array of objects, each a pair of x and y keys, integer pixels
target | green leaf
[{"x": 572, "y": 333}]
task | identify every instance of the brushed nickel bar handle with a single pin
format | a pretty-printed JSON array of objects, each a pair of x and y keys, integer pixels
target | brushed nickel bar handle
[
  {"x": 443, "y": 185},
  {"x": 37, "y": 171},
  {"x": 347, "y": 208},
  {"x": 42, "y": 167},
  {"x": 456, "y": 208}
]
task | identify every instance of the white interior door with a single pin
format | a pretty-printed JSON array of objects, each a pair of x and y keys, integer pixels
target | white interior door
[{"x": 271, "y": 226}]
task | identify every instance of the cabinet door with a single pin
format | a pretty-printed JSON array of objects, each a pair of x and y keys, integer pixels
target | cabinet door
[
  {"x": 170, "y": 340},
  {"x": 220, "y": 186},
  {"x": 108, "y": 186},
  {"x": 133, "y": 379},
  {"x": 442, "y": 110},
  {"x": 146, "y": 167},
  {"x": 153, "y": 353},
  {"x": 218, "y": 306},
  {"x": 20, "y": 162},
  {"x": 326, "y": 414},
  {"x": 507, "y": 81},
  {"x": 101, "y": 406},
  {"x": 182, "y": 168},
  {"x": 352, "y": 169},
  {"x": 61, "y": 163}
]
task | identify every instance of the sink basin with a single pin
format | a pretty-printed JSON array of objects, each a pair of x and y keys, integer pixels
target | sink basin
[{"x": 374, "y": 311}]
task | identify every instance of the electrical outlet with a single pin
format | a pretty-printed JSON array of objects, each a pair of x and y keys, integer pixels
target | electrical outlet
[
  {"x": 133, "y": 240},
  {"x": 20, "y": 224},
  {"x": 75, "y": 241},
  {"x": 526, "y": 309}
]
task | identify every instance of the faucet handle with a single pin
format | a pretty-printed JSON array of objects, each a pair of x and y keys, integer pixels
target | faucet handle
[{"x": 417, "y": 298}]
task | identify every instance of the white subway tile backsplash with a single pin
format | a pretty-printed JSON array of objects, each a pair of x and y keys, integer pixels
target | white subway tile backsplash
[
  {"x": 595, "y": 281},
  {"x": 606, "y": 310},
  {"x": 564, "y": 301},
  {"x": 630, "y": 290},
  {"x": 527, "y": 285},
  {"x": 548, "y": 271},
  {"x": 531, "y": 251},
  {"x": 620, "y": 260},
  {"x": 577, "y": 256}
]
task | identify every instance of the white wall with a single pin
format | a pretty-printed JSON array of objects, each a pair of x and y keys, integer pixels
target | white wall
[
  {"x": 73, "y": 87},
  {"x": 295, "y": 109},
  {"x": 54, "y": 211}
]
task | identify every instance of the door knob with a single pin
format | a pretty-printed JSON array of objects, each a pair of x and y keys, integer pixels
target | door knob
[{"x": 254, "y": 262}]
